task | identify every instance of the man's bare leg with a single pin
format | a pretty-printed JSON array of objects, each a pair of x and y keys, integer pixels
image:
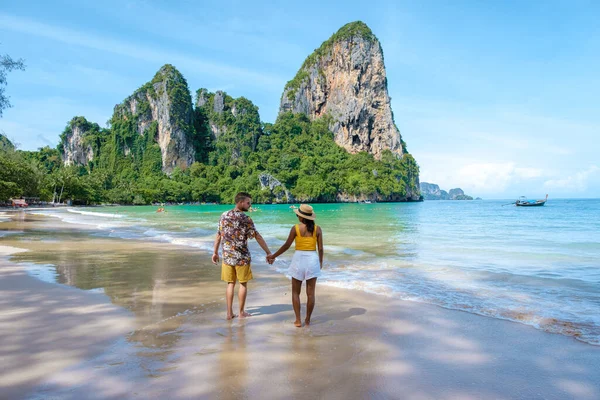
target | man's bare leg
[
  {"x": 242, "y": 291},
  {"x": 311, "y": 286},
  {"x": 229, "y": 297},
  {"x": 296, "y": 289}
]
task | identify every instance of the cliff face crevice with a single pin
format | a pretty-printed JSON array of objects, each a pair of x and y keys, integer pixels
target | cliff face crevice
[
  {"x": 345, "y": 79},
  {"x": 166, "y": 100}
]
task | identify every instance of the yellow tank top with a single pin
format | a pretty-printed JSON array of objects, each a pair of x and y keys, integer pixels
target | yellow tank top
[{"x": 306, "y": 243}]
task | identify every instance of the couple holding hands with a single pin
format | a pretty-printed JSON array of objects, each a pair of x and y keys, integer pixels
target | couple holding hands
[{"x": 235, "y": 228}]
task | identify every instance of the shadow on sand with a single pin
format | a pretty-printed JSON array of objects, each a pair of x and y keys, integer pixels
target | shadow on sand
[{"x": 270, "y": 309}]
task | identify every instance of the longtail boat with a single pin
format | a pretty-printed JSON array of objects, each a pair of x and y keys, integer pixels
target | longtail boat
[{"x": 523, "y": 202}]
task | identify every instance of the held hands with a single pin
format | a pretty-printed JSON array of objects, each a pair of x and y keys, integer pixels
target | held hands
[{"x": 270, "y": 259}]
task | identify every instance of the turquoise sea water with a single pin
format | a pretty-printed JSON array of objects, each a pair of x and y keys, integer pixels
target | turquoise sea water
[{"x": 539, "y": 266}]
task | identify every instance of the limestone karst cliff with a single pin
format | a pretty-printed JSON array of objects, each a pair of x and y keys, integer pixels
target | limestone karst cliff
[
  {"x": 431, "y": 191},
  {"x": 229, "y": 125},
  {"x": 345, "y": 78},
  {"x": 77, "y": 141},
  {"x": 165, "y": 100},
  {"x": 344, "y": 147}
]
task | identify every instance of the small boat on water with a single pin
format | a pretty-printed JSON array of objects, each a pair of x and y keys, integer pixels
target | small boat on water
[{"x": 523, "y": 202}]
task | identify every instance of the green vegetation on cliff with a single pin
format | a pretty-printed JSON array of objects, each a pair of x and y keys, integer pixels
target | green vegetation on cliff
[
  {"x": 233, "y": 148},
  {"x": 237, "y": 125},
  {"x": 357, "y": 29}
]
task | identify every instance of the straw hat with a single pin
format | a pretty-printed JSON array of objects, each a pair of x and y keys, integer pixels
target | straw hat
[{"x": 305, "y": 211}]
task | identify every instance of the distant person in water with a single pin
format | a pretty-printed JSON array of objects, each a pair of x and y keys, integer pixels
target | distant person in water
[
  {"x": 235, "y": 228},
  {"x": 306, "y": 265}
]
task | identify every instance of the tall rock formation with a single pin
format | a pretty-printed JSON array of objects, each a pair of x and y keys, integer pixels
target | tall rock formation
[
  {"x": 231, "y": 125},
  {"x": 77, "y": 140},
  {"x": 345, "y": 78},
  {"x": 165, "y": 100}
]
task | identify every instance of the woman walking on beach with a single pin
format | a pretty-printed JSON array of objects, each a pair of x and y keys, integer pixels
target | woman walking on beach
[{"x": 306, "y": 265}]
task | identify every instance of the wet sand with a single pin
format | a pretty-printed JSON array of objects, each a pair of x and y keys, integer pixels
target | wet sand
[{"x": 130, "y": 319}]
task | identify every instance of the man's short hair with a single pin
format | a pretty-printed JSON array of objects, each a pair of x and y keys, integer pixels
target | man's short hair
[{"x": 241, "y": 196}]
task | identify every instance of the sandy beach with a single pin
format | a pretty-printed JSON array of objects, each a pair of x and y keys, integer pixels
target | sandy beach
[{"x": 156, "y": 329}]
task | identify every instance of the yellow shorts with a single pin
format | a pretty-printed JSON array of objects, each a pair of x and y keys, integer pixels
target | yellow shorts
[{"x": 242, "y": 273}]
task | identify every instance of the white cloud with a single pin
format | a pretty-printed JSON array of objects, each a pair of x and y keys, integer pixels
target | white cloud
[
  {"x": 528, "y": 173},
  {"x": 486, "y": 177},
  {"x": 576, "y": 182},
  {"x": 150, "y": 54},
  {"x": 475, "y": 176}
]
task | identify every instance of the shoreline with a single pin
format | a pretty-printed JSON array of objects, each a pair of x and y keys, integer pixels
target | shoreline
[
  {"x": 370, "y": 346},
  {"x": 543, "y": 321},
  {"x": 10, "y": 208},
  {"x": 548, "y": 324}
]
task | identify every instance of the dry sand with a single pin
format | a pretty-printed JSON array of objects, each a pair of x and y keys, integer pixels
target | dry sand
[{"x": 170, "y": 340}]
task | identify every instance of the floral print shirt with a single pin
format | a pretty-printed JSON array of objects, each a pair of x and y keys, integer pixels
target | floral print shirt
[{"x": 235, "y": 229}]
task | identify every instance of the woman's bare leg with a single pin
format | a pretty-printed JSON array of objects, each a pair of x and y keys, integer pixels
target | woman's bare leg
[
  {"x": 296, "y": 289},
  {"x": 311, "y": 286}
]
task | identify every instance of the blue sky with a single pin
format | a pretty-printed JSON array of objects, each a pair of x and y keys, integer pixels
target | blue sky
[{"x": 499, "y": 98}]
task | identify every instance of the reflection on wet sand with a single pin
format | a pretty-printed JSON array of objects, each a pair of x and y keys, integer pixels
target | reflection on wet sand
[
  {"x": 159, "y": 286},
  {"x": 233, "y": 363},
  {"x": 306, "y": 357}
]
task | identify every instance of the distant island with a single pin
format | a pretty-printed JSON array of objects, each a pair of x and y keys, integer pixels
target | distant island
[{"x": 431, "y": 191}]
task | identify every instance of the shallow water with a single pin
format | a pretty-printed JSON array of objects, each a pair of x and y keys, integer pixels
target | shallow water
[{"x": 538, "y": 266}]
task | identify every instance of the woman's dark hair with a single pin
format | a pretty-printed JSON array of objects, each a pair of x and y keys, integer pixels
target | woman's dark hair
[{"x": 310, "y": 224}]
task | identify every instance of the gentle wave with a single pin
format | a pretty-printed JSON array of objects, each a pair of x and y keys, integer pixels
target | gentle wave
[
  {"x": 534, "y": 308},
  {"x": 95, "y": 214}
]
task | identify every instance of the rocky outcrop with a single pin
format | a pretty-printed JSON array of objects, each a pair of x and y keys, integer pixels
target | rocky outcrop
[
  {"x": 76, "y": 142},
  {"x": 431, "y": 191},
  {"x": 222, "y": 111},
  {"x": 166, "y": 100},
  {"x": 277, "y": 189},
  {"x": 234, "y": 123},
  {"x": 345, "y": 79},
  {"x": 217, "y": 121},
  {"x": 458, "y": 194}
]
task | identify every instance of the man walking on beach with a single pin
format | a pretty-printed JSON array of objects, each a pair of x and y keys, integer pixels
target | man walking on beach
[{"x": 235, "y": 228}]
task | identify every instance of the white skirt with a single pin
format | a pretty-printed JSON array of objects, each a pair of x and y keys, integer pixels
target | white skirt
[{"x": 305, "y": 265}]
